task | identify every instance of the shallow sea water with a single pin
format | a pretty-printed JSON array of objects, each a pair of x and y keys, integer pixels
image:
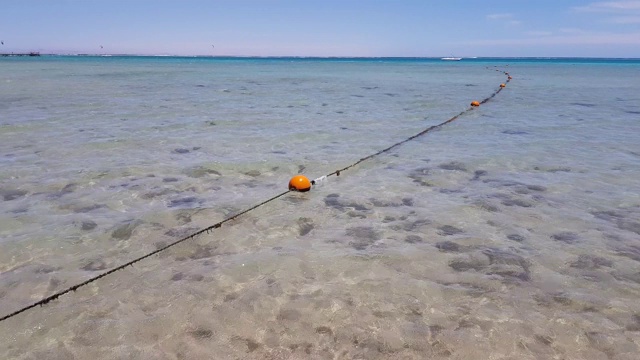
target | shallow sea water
[{"x": 511, "y": 233}]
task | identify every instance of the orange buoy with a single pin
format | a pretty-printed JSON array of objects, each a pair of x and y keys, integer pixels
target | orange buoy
[
  {"x": 475, "y": 103},
  {"x": 299, "y": 183},
  {"x": 502, "y": 85}
]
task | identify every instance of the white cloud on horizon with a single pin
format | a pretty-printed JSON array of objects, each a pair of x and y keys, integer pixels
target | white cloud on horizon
[
  {"x": 614, "y": 12},
  {"x": 499, "y": 16},
  {"x": 624, "y": 20},
  {"x": 573, "y": 31},
  {"x": 610, "y": 6},
  {"x": 506, "y": 18}
]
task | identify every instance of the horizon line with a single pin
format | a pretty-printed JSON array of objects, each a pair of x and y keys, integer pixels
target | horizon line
[{"x": 317, "y": 56}]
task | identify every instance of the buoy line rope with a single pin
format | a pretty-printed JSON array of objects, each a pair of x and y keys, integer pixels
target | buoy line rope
[
  {"x": 473, "y": 104},
  {"x": 130, "y": 263},
  {"x": 55, "y": 296}
]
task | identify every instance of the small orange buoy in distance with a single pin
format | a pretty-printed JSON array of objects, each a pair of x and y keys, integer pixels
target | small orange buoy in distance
[
  {"x": 509, "y": 77},
  {"x": 502, "y": 85},
  {"x": 475, "y": 103},
  {"x": 299, "y": 183}
]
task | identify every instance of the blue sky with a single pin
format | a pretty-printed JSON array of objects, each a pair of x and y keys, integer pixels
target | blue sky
[{"x": 323, "y": 27}]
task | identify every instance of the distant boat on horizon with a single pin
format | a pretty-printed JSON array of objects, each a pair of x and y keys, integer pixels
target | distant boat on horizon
[{"x": 451, "y": 58}]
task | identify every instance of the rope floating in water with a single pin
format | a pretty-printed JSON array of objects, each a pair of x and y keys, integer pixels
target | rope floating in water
[{"x": 217, "y": 225}]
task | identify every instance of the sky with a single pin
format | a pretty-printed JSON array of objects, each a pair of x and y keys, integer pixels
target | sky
[{"x": 370, "y": 28}]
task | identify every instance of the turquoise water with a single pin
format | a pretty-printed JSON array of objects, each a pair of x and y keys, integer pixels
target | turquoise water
[{"x": 513, "y": 232}]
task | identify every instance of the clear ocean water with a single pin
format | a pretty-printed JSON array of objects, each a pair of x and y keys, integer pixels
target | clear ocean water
[{"x": 510, "y": 233}]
